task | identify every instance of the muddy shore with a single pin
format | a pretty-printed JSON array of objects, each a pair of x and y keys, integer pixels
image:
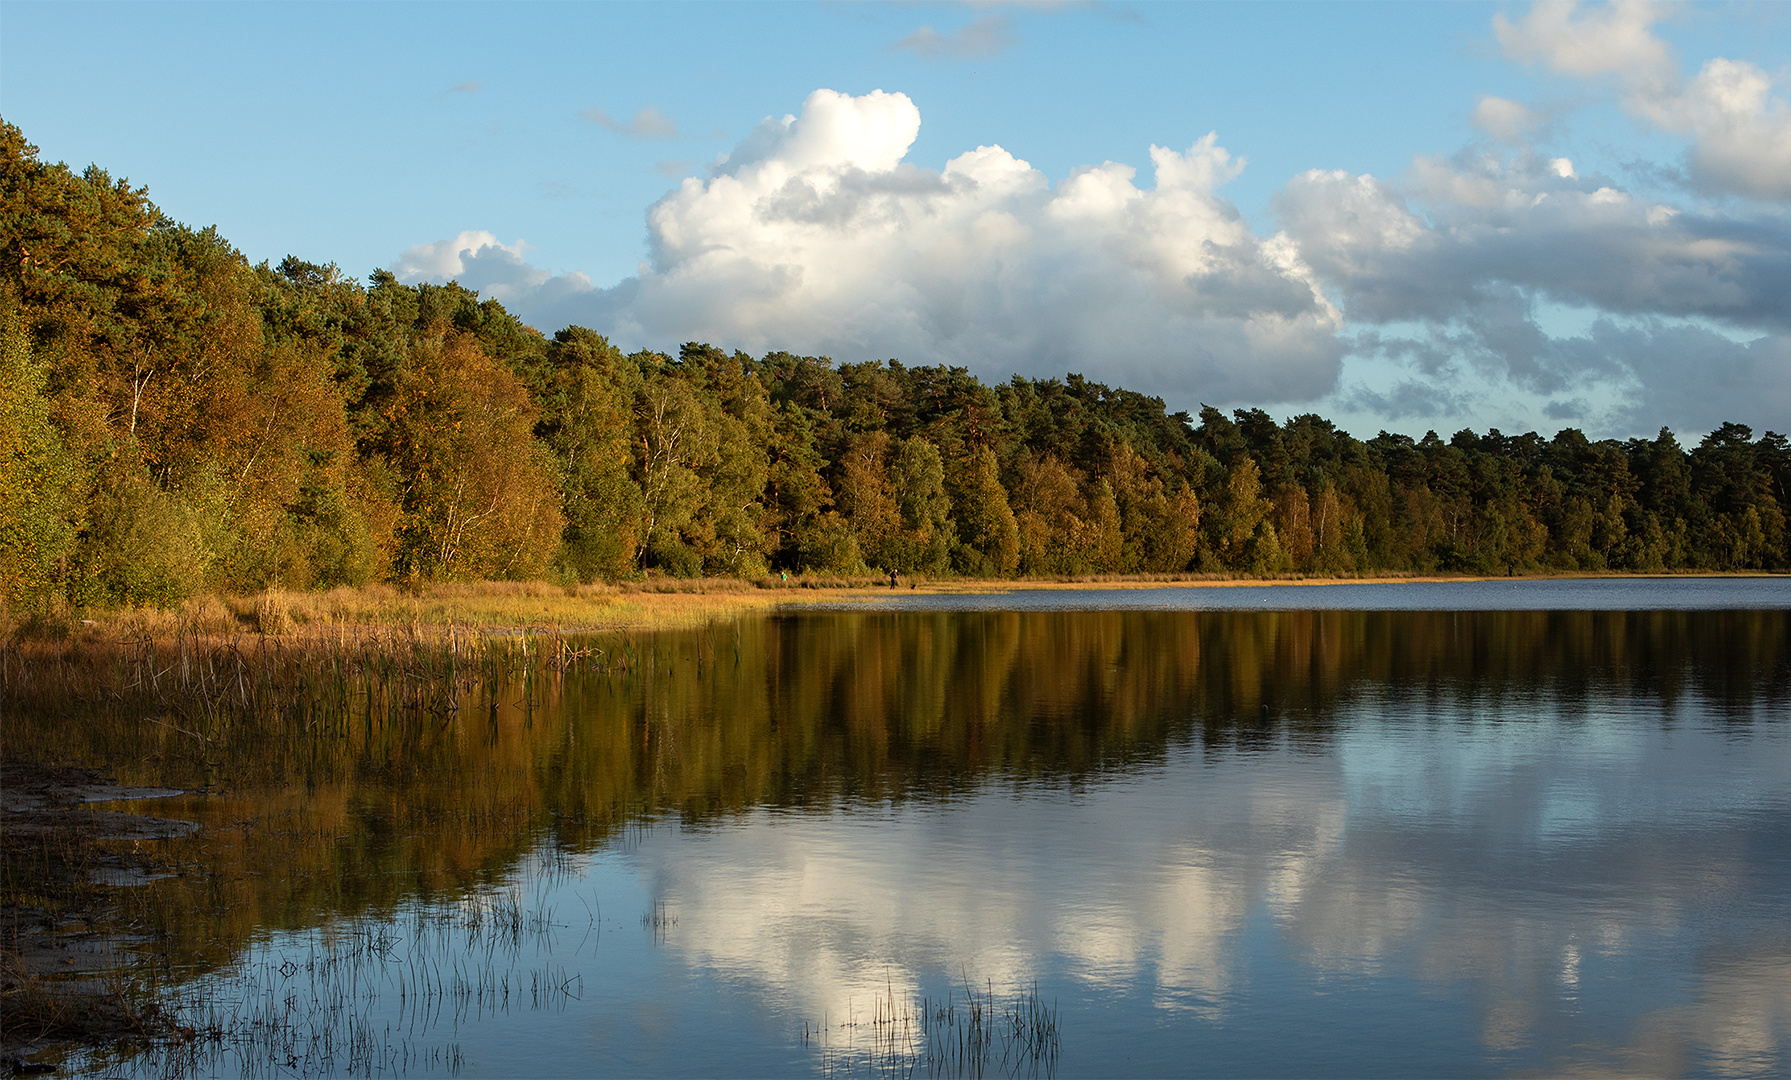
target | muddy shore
[{"x": 66, "y": 967}]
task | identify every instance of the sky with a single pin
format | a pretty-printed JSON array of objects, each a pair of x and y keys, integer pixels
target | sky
[{"x": 1402, "y": 216}]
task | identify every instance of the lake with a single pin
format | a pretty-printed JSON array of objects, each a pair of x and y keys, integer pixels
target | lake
[{"x": 1464, "y": 829}]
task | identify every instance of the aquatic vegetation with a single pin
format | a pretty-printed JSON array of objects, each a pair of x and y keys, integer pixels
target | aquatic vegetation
[
  {"x": 368, "y": 995},
  {"x": 971, "y": 1033}
]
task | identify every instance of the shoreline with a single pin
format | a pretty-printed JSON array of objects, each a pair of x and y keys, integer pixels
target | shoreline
[
  {"x": 67, "y": 978},
  {"x": 66, "y": 970},
  {"x": 651, "y": 605}
]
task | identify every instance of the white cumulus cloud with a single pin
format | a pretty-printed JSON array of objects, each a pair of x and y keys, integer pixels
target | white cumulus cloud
[
  {"x": 1743, "y": 133},
  {"x": 816, "y": 235},
  {"x": 480, "y": 261},
  {"x": 448, "y": 258},
  {"x": 1740, "y": 131},
  {"x": 1444, "y": 286},
  {"x": 1615, "y": 38}
]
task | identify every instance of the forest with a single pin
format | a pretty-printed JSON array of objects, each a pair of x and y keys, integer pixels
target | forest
[{"x": 176, "y": 421}]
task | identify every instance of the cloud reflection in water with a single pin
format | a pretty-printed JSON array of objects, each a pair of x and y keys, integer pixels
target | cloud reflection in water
[{"x": 1533, "y": 863}]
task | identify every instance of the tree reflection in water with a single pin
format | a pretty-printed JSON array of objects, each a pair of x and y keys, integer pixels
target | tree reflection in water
[{"x": 818, "y": 712}]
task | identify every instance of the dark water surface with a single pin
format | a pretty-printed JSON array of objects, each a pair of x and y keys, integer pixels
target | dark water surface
[
  {"x": 1516, "y": 594},
  {"x": 1204, "y": 842}
]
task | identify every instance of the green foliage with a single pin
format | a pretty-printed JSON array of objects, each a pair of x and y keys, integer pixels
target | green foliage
[
  {"x": 927, "y": 536},
  {"x": 173, "y": 419},
  {"x": 675, "y": 438},
  {"x": 1158, "y": 523},
  {"x": 585, "y": 423},
  {"x": 36, "y": 474},
  {"x": 988, "y": 538},
  {"x": 144, "y": 545}
]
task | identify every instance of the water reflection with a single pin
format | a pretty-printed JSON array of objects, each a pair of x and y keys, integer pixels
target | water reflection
[
  {"x": 1460, "y": 842},
  {"x": 1238, "y": 887}
]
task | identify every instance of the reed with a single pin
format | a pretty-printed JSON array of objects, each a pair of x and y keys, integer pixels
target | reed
[
  {"x": 969, "y": 1034},
  {"x": 198, "y": 680},
  {"x": 648, "y": 604},
  {"x": 356, "y": 996},
  {"x": 85, "y": 1007},
  {"x": 218, "y": 695}
]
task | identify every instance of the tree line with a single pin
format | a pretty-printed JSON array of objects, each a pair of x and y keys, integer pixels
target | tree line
[{"x": 174, "y": 420}]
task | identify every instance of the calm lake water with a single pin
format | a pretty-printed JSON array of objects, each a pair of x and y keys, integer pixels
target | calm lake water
[
  {"x": 1518, "y": 594},
  {"x": 1472, "y": 829}
]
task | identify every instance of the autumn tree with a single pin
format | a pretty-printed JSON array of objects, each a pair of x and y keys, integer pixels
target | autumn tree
[
  {"x": 479, "y": 499},
  {"x": 866, "y": 498}
]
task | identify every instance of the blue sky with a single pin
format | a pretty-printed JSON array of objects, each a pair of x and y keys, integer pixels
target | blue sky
[{"x": 1407, "y": 215}]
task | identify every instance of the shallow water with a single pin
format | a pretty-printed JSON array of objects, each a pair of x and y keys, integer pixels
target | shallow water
[{"x": 1202, "y": 842}]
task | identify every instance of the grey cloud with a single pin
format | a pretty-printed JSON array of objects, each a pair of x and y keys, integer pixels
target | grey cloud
[
  {"x": 990, "y": 35},
  {"x": 500, "y": 273},
  {"x": 1466, "y": 249},
  {"x": 646, "y": 123},
  {"x": 1573, "y": 239},
  {"x": 471, "y": 86},
  {"x": 1499, "y": 332},
  {"x": 1431, "y": 355},
  {"x": 1693, "y": 379},
  {"x": 1648, "y": 372},
  {"x": 855, "y": 197},
  {"x": 1237, "y": 280},
  {"x": 1409, "y": 399},
  {"x": 1575, "y": 409}
]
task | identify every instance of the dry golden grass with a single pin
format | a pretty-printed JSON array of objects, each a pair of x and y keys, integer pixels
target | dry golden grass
[
  {"x": 477, "y": 606},
  {"x": 656, "y": 603},
  {"x": 652, "y": 604},
  {"x": 497, "y": 605}
]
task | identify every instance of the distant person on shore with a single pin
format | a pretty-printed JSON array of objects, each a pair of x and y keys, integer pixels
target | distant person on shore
[{"x": 893, "y": 583}]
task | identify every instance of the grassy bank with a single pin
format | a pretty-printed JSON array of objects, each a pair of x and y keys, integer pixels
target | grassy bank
[
  {"x": 490, "y": 605},
  {"x": 653, "y": 604},
  {"x": 214, "y": 669}
]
